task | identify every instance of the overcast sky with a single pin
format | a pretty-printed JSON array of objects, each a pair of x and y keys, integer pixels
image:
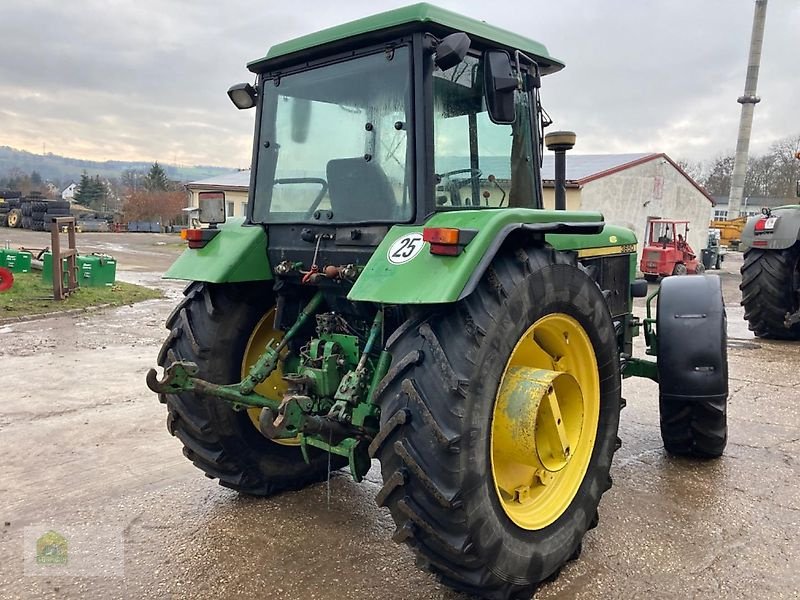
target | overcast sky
[{"x": 146, "y": 79}]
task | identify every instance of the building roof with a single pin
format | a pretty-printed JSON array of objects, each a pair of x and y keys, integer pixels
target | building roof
[
  {"x": 584, "y": 166},
  {"x": 416, "y": 13},
  {"x": 759, "y": 201},
  {"x": 581, "y": 169},
  {"x": 228, "y": 181}
]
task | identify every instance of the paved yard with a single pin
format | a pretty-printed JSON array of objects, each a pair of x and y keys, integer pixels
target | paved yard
[{"x": 84, "y": 444}]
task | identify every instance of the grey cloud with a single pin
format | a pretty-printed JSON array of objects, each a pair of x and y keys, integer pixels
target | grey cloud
[{"x": 147, "y": 79}]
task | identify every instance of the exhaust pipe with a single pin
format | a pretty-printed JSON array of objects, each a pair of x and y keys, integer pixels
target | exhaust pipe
[{"x": 559, "y": 142}]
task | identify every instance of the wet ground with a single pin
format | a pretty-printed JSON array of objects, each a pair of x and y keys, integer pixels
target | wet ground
[{"x": 84, "y": 444}]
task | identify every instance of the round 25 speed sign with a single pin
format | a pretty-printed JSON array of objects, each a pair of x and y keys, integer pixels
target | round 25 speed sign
[{"x": 405, "y": 248}]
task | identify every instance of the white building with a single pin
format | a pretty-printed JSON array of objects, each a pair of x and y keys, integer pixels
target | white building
[
  {"x": 632, "y": 189},
  {"x": 68, "y": 193},
  {"x": 235, "y": 186}
]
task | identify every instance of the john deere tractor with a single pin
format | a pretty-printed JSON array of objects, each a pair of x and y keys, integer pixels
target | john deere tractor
[{"x": 398, "y": 292}]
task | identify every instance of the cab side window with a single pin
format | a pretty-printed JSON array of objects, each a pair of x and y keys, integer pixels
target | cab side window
[{"x": 478, "y": 163}]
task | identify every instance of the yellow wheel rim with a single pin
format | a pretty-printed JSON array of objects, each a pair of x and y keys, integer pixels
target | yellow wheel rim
[
  {"x": 273, "y": 386},
  {"x": 544, "y": 421}
]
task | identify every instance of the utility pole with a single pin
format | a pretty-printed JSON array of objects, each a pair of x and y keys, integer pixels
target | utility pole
[{"x": 748, "y": 102}]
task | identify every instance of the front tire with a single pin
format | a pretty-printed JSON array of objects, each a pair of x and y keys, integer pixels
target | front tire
[
  {"x": 771, "y": 290},
  {"x": 211, "y": 327},
  {"x": 439, "y": 438},
  {"x": 692, "y": 366}
]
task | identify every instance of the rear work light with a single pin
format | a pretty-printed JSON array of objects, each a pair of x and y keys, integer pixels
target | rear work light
[
  {"x": 198, "y": 238},
  {"x": 448, "y": 241}
]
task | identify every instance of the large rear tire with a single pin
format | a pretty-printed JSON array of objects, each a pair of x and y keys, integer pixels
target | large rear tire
[
  {"x": 444, "y": 458},
  {"x": 771, "y": 290},
  {"x": 212, "y": 327},
  {"x": 692, "y": 366}
]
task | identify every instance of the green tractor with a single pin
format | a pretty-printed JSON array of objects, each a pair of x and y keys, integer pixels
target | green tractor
[{"x": 398, "y": 292}]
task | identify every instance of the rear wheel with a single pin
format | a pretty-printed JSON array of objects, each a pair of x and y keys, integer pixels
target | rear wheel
[
  {"x": 217, "y": 327},
  {"x": 498, "y": 425},
  {"x": 679, "y": 269},
  {"x": 771, "y": 291}
]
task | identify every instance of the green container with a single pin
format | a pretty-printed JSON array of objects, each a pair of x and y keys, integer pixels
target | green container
[
  {"x": 16, "y": 261},
  {"x": 94, "y": 270}
]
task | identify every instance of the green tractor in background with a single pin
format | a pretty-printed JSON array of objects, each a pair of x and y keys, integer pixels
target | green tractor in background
[{"x": 398, "y": 292}]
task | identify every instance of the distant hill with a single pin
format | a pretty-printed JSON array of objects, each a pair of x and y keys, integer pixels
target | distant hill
[{"x": 63, "y": 169}]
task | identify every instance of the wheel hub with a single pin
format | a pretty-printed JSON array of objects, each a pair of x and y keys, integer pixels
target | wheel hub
[
  {"x": 538, "y": 419},
  {"x": 545, "y": 421}
]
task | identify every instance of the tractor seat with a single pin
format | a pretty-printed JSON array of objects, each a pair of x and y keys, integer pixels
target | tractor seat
[{"x": 359, "y": 191}]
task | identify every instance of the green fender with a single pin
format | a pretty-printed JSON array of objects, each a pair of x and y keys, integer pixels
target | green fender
[
  {"x": 237, "y": 253},
  {"x": 431, "y": 279}
]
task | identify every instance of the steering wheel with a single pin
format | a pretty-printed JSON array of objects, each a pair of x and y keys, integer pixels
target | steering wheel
[
  {"x": 452, "y": 185},
  {"x": 316, "y": 202}
]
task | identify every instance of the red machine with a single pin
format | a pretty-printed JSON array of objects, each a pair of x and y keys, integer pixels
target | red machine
[
  {"x": 6, "y": 279},
  {"x": 667, "y": 252}
]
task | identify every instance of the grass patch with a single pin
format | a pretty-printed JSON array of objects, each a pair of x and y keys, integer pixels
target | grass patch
[{"x": 31, "y": 296}]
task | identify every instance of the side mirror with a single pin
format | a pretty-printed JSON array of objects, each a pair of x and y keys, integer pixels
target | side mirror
[
  {"x": 211, "y": 207},
  {"x": 243, "y": 95},
  {"x": 499, "y": 86},
  {"x": 452, "y": 50}
]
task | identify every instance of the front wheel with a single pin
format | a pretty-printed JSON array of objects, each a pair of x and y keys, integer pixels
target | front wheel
[
  {"x": 499, "y": 421},
  {"x": 692, "y": 366}
]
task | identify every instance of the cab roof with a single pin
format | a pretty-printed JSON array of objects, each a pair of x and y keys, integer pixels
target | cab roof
[{"x": 416, "y": 17}]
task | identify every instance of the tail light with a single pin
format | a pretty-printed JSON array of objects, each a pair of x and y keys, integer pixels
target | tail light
[
  {"x": 198, "y": 238},
  {"x": 448, "y": 241}
]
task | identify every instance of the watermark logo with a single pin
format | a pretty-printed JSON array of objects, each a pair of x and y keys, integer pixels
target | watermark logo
[
  {"x": 52, "y": 549},
  {"x": 74, "y": 549}
]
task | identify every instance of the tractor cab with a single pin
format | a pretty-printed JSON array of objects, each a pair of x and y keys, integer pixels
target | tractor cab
[
  {"x": 667, "y": 251},
  {"x": 373, "y": 124}
]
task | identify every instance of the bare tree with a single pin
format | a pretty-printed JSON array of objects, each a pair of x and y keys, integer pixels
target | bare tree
[
  {"x": 718, "y": 176},
  {"x": 787, "y": 167},
  {"x": 693, "y": 168}
]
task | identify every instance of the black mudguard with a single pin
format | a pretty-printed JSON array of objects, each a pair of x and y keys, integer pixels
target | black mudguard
[{"x": 692, "y": 339}]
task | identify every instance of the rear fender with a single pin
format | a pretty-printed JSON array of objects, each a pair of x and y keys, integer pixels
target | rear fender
[
  {"x": 784, "y": 235},
  {"x": 237, "y": 253},
  {"x": 425, "y": 278}
]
